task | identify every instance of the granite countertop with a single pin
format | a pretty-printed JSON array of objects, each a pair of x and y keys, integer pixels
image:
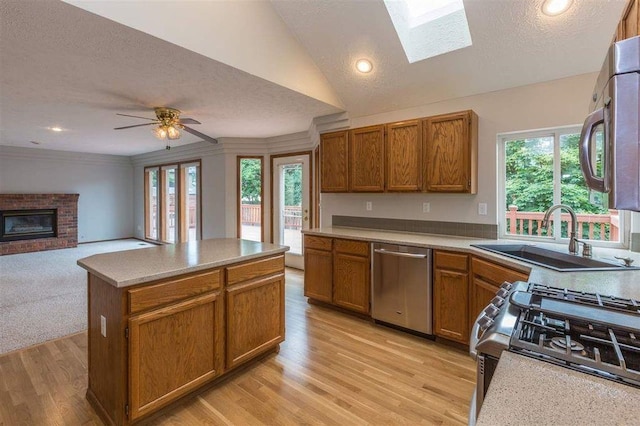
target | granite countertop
[
  {"x": 129, "y": 267},
  {"x": 617, "y": 283},
  {"x": 526, "y": 391}
]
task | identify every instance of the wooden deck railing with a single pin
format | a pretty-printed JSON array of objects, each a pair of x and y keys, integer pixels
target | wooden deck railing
[
  {"x": 250, "y": 215},
  {"x": 602, "y": 227}
]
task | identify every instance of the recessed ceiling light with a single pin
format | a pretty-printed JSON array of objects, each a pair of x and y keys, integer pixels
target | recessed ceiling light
[
  {"x": 555, "y": 7},
  {"x": 364, "y": 65},
  {"x": 55, "y": 129}
]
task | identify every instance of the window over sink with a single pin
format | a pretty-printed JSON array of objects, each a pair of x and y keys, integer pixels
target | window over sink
[{"x": 538, "y": 169}]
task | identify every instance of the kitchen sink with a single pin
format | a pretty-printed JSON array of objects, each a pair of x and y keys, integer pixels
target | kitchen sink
[{"x": 558, "y": 261}]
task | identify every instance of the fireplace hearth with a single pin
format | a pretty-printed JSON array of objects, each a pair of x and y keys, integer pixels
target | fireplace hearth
[{"x": 28, "y": 224}]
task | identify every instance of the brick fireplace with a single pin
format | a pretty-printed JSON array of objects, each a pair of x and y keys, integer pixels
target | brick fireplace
[{"x": 66, "y": 217}]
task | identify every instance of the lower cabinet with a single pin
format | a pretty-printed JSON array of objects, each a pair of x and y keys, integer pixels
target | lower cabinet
[
  {"x": 451, "y": 296},
  {"x": 338, "y": 271},
  {"x": 184, "y": 339},
  {"x": 255, "y": 318}
]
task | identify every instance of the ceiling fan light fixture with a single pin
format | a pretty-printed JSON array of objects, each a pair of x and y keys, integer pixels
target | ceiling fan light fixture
[
  {"x": 160, "y": 132},
  {"x": 173, "y": 133}
]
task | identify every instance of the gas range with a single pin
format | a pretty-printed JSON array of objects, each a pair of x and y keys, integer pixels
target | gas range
[{"x": 587, "y": 332}]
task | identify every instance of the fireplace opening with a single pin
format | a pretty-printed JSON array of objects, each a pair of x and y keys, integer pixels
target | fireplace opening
[{"x": 28, "y": 224}]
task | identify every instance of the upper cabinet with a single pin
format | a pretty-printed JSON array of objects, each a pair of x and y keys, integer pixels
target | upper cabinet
[
  {"x": 431, "y": 154},
  {"x": 403, "y": 147},
  {"x": 450, "y": 152},
  {"x": 333, "y": 159},
  {"x": 629, "y": 25},
  {"x": 366, "y": 159}
]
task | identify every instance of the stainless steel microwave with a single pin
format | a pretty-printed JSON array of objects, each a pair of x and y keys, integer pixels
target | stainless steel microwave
[{"x": 610, "y": 139}]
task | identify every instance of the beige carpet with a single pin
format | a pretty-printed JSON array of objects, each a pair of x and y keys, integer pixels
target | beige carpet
[{"x": 43, "y": 295}]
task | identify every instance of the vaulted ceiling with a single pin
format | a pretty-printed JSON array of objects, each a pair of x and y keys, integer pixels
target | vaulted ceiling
[{"x": 256, "y": 68}]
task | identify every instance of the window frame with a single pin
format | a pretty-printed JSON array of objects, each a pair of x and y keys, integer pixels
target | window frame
[
  {"x": 239, "y": 159},
  {"x": 556, "y": 133},
  {"x": 161, "y": 216}
]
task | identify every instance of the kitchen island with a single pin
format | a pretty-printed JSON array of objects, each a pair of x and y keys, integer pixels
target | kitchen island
[{"x": 167, "y": 320}]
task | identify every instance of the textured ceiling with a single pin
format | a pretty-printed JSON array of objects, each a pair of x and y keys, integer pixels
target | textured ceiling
[
  {"x": 514, "y": 44},
  {"x": 63, "y": 66}
]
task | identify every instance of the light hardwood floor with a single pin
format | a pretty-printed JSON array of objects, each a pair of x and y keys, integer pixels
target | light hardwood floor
[{"x": 332, "y": 369}]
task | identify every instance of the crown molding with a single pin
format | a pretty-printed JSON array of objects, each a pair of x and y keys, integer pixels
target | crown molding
[{"x": 21, "y": 153}]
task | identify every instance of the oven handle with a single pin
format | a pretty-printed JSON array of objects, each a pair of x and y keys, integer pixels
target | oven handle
[{"x": 475, "y": 331}]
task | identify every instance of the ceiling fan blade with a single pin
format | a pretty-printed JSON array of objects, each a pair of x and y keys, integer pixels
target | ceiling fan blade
[
  {"x": 189, "y": 121},
  {"x": 136, "y": 116},
  {"x": 200, "y": 135},
  {"x": 135, "y": 125}
]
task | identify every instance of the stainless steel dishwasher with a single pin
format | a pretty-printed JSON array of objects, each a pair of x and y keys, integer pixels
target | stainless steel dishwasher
[{"x": 402, "y": 286}]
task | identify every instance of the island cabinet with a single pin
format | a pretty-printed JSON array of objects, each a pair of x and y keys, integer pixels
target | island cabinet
[
  {"x": 403, "y": 151},
  {"x": 366, "y": 159},
  {"x": 451, "y": 152},
  {"x": 152, "y": 343},
  {"x": 629, "y": 25},
  {"x": 337, "y": 271},
  {"x": 334, "y": 157},
  {"x": 487, "y": 277},
  {"x": 451, "y": 295}
]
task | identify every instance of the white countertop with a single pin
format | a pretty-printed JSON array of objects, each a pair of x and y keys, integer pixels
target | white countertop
[
  {"x": 623, "y": 283},
  {"x": 526, "y": 391},
  {"x": 129, "y": 267}
]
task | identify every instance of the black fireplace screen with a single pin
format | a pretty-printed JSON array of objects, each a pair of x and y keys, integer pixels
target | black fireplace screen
[{"x": 28, "y": 224}]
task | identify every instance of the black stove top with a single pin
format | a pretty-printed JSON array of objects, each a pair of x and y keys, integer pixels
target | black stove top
[{"x": 585, "y": 331}]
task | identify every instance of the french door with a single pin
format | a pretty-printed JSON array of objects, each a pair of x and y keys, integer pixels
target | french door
[{"x": 291, "y": 204}]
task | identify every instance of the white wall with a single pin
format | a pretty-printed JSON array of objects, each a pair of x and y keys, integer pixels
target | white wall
[
  {"x": 556, "y": 103},
  {"x": 105, "y": 204}
]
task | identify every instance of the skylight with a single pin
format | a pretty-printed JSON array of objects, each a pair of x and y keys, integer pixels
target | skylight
[{"x": 428, "y": 28}]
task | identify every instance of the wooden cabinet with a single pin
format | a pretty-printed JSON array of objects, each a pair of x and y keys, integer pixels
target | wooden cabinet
[
  {"x": 629, "y": 25},
  {"x": 487, "y": 278},
  {"x": 366, "y": 159},
  {"x": 337, "y": 271},
  {"x": 334, "y": 158},
  {"x": 172, "y": 351},
  {"x": 318, "y": 267},
  {"x": 451, "y": 296},
  {"x": 351, "y": 275},
  {"x": 450, "y": 153},
  {"x": 251, "y": 334},
  {"x": 403, "y": 152}
]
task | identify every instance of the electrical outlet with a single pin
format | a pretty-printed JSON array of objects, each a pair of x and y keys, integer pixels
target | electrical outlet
[
  {"x": 369, "y": 206},
  {"x": 103, "y": 326},
  {"x": 426, "y": 207},
  {"x": 482, "y": 209}
]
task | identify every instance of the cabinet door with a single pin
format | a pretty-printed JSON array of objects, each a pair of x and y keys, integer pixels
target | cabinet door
[
  {"x": 366, "y": 159},
  {"x": 451, "y": 305},
  {"x": 172, "y": 351},
  {"x": 351, "y": 283},
  {"x": 482, "y": 292},
  {"x": 450, "y": 153},
  {"x": 318, "y": 274},
  {"x": 334, "y": 162},
  {"x": 629, "y": 25},
  {"x": 255, "y": 318},
  {"x": 403, "y": 151}
]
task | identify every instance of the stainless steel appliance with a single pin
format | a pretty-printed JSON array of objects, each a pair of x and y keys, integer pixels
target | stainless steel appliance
[
  {"x": 401, "y": 286},
  {"x": 616, "y": 115},
  {"x": 588, "y": 332}
]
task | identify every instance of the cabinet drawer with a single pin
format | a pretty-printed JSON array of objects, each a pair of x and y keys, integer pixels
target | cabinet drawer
[
  {"x": 448, "y": 260},
  {"x": 318, "y": 243},
  {"x": 496, "y": 274},
  {"x": 151, "y": 296},
  {"x": 255, "y": 269},
  {"x": 359, "y": 248}
]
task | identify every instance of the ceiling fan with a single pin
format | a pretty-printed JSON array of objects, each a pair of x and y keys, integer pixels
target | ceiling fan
[{"x": 169, "y": 124}]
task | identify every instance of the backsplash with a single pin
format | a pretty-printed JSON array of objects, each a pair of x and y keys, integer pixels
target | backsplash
[{"x": 475, "y": 230}]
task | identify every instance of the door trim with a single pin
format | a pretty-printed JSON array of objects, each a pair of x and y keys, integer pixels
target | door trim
[{"x": 311, "y": 168}]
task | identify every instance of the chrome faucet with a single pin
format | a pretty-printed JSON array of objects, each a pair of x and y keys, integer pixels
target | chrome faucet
[{"x": 573, "y": 241}]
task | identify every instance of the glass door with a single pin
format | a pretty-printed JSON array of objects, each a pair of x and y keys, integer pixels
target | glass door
[
  {"x": 169, "y": 230},
  {"x": 189, "y": 193},
  {"x": 291, "y": 193}
]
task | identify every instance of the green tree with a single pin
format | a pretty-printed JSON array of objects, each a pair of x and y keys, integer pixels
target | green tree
[
  {"x": 250, "y": 176},
  {"x": 293, "y": 185}
]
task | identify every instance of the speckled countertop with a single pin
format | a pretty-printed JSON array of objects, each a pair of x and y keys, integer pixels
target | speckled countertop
[
  {"x": 618, "y": 283},
  {"x": 526, "y": 391},
  {"x": 126, "y": 268}
]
